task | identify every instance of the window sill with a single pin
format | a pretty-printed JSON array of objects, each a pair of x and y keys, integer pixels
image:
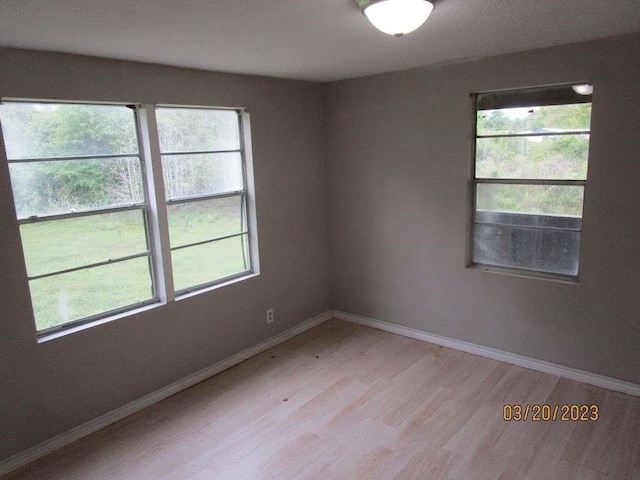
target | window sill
[
  {"x": 46, "y": 337},
  {"x": 529, "y": 274},
  {"x": 215, "y": 286},
  {"x": 63, "y": 332}
]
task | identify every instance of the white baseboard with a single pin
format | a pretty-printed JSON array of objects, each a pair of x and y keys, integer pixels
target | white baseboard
[
  {"x": 23, "y": 458},
  {"x": 502, "y": 356}
]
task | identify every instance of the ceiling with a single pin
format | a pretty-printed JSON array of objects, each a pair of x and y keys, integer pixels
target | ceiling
[{"x": 320, "y": 40}]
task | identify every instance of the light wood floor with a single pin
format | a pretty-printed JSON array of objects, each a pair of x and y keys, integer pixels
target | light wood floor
[{"x": 347, "y": 402}]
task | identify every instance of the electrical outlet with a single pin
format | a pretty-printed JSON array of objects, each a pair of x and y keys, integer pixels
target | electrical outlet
[{"x": 270, "y": 315}]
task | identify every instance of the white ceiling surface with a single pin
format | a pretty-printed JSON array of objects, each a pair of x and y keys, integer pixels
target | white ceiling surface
[{"x": 318, "y": 40}]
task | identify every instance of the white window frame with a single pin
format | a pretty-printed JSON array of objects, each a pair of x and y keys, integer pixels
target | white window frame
[
  {"x": 247, "y": 198},
  {"x": 154, "y": 210},
  {"x": 474, "y": 181}
]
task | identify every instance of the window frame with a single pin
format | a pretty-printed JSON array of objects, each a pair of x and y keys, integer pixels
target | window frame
[
  {"x": 143, "y": 207},
  {"x": 244, "y": 194},
  {"x": 518, "y": 98},
  {"x": 154, "y": 209}
]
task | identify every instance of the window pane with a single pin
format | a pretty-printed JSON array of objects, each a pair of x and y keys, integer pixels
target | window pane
[
  {"x": 74, "y": 242},
  {"x": 529, "y": 220},
  {"x": 45, "y": 188},
  {"x": 207, "y": 263},
  {"x": 205, "y": 220},
  {"x": 58, "y": 130},
  {"x": 553, "y": 251},
  {"x": 189, "y": 175},
  {"x": 64, "y": 298},
  {"x": 552, "y": 118},
  {"x": 549, "y": 199},
  {"x": 197, "y": 130},
  {"x": 549, "y": 158}
]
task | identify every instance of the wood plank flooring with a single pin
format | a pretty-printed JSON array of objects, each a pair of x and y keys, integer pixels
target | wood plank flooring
[{"x": 342, "y": 401}]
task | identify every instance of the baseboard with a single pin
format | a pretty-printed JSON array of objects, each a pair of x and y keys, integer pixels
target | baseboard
[
  {"x": 502, "y": 356},
  {"x": 23, "y": 458}
]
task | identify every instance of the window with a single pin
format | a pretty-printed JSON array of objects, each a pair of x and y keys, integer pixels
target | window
[
  {"x": 206, "y": 195},
  {"x": 97, "y": 239},
  {"x": 530, "y": 174}
]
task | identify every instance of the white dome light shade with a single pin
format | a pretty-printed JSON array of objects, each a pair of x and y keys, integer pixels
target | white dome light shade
[
  {"x": 398, "y": 17},
  {"x": 583, "y": 89}
]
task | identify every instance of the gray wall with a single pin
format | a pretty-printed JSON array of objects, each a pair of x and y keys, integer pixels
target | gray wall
[
  {"x": 45, "y": 389},
  {"x": 398, "y": 150}
]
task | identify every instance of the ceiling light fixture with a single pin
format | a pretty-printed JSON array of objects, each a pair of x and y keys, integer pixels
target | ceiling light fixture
[
  {"x": 583, "y": 89},
  {"x": 396, "y": 17}
]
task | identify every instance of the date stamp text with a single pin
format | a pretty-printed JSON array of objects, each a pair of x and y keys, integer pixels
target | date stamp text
[{"x": 550, "y": 413}]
